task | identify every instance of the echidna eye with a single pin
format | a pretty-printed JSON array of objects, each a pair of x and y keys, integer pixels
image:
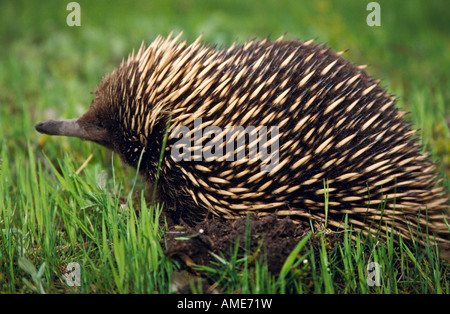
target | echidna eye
[{"x": 100, "y": 123}]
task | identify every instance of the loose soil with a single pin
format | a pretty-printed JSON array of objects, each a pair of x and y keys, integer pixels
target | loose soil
[{"x": 268, "y": 237}]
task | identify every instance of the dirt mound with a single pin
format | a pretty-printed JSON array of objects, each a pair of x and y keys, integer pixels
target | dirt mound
[{"x": 267, "y": 237}]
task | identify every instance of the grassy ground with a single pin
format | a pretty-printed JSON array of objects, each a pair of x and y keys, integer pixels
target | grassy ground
[{"x": 62, "y": 200}]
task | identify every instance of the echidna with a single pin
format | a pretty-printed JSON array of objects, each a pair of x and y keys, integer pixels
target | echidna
[{"x": 318, "y": 136}]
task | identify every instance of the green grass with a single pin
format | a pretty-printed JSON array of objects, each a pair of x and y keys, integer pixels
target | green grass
[{"x": 59, "y": 204}]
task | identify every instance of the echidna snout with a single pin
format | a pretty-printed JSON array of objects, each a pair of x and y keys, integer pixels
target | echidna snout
[
  {"x": 85, "y": 128},
  {"x": 340, "y": 135}
]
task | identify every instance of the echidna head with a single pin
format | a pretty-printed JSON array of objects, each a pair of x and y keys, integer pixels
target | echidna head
[{"x": 103, "y": 123}]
